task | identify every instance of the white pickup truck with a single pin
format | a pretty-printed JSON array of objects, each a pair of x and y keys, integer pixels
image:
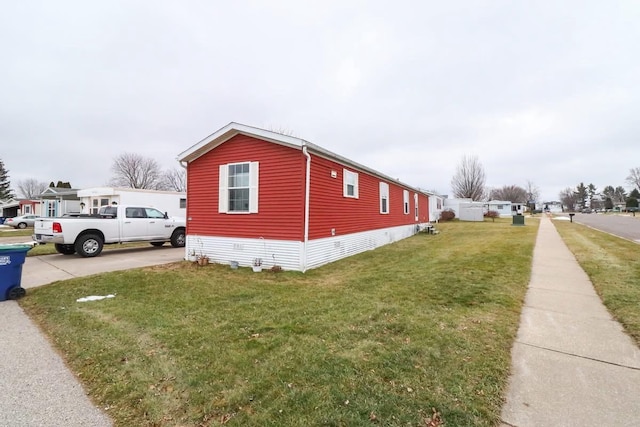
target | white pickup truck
[{"x": 88, "y": 234}]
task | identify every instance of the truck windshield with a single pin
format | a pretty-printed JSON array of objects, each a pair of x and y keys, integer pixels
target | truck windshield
[{"x": 109, "y": 211}]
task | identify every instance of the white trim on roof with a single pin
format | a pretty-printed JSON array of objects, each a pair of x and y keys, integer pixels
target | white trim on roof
[
  {"x": 229, "y": 131},
  {"x": 232, "y": 129}
]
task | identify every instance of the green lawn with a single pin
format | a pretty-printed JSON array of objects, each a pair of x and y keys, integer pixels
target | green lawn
[
  {"x": 379, "y": 338},
  {"x": 12, "y": 232},
  {"x": 613, "y": 265},
  {"x": 50, "y": 249}
]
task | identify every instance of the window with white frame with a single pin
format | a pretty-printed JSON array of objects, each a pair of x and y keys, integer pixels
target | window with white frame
[
  {"x": 238, "y": 192},
  {"x": 350, "y": 183},
  {"x": 384, "y": 198},
  {"x": 405, "y": 200},
  {"x": 415, "y": 201}
]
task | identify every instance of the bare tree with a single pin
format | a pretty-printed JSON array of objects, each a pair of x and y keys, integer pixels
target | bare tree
[
  {"x": 31, "y": 188},
  {"x": 469, "y": 180},
  {"x": 135, "y": 171},
  {"x": 634, "y": 178},
  {"x": 568, "y": 198},
  {"x": 620, "y": 195},
  {"x": 175, "y": 180},
  {"x": 533, "y": 192},
  {"x": 511, "y": 193}
]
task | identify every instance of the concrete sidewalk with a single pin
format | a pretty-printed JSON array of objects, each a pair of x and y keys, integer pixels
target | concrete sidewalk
[
  {"x": 37, "y": 387},
  {"x": 572, "y": 364}
]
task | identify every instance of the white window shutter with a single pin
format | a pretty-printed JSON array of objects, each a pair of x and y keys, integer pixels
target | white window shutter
[
  {"x": 253, "y": 187},
  {"x": 384, "y": 198},
  {"x": 223, "y": 191},
  {"x": 405, "y": 197},
  {"x": 356, "y": 186},
  {"x": 345, "y": 179}
]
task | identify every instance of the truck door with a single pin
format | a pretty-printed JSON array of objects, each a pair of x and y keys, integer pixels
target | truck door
[
  {"x": 156, "y": 223},
  {"x": 135, "y": 224}
]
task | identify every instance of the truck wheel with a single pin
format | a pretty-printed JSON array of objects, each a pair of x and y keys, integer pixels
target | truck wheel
[
  {"x": 65, "y": 249},
  {"x": 178, "y": 238},
  {"x": 89, "y": 245},
  {"x": 157, "y": 244}
]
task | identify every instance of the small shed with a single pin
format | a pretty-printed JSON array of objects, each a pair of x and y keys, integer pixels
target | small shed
[
  {"x": 466, "y": 209},
  {"x": 471, "y": 211}
]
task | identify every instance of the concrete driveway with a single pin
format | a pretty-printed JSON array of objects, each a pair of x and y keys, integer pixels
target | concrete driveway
[
  {"x": 625, "y": 226},
  {"x": 41, "y": 270}
]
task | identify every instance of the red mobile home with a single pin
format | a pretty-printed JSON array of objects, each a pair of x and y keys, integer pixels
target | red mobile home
[
  {"x": 29, "y": 207},
  {"x": 253, "y": 193}
]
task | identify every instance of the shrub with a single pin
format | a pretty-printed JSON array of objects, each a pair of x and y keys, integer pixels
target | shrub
[
  {"x": 447, "y": 215},
  {"x": 492, "y": 214}
]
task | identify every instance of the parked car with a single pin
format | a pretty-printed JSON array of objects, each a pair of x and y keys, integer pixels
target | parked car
[
  {"x": 23, "y": 221},
  {"x": 586, "y": 210}
]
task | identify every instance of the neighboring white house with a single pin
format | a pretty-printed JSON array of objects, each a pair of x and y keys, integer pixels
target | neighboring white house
[
  {"x": 517, "y": 208},
  {"x": 553, "y": 206},
  {"x": 171, "y": 202},
  {"x": 465, "y": 209},
  {"x": 59, "y": 201},
  {"x": 503, "y": 207},
  {"x": 436, "y": 204}
]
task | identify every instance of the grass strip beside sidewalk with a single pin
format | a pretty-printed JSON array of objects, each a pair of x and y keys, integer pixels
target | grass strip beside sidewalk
[
  {"x": 613, "y": 265},
  {"x": 378, "y": 338}
]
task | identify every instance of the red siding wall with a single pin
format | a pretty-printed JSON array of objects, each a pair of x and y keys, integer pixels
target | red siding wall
[
  {"x": 330, "y": 210},
  {"x": 280, "y": 195}
]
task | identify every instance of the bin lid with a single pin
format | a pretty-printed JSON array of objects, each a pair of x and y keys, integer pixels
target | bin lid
[{"x": 15, "y": 246}]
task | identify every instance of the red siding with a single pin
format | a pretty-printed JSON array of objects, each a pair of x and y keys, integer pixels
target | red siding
[
  {"x": 280, "y": 194},
  {"x": 330, "y": 210}
]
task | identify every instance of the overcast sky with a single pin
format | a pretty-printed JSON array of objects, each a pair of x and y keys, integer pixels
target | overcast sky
[{"x": 540, "y": 91}]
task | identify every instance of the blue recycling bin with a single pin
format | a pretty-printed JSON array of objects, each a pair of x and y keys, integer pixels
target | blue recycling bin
[{"x": 12, "y": 257}]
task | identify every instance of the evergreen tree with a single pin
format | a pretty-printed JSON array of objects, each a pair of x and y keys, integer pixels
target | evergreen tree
[
  {"x": 60, "y": 184},
  {"x": 581, "y": 194},
  {"x": 5, "y": 184},
  {"x": 608, "y": 203}
]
